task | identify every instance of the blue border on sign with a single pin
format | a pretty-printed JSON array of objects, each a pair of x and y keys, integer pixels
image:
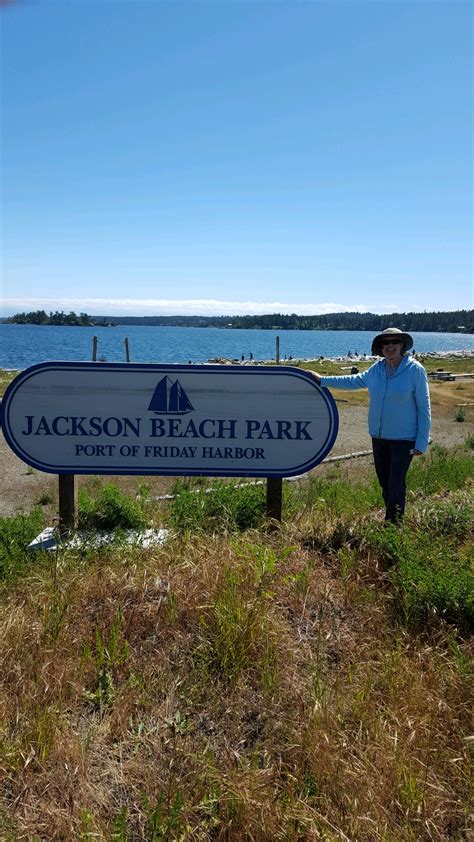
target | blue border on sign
[{"x": 253, "y": 371}]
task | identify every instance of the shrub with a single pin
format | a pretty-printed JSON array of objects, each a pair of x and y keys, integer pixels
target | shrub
[{"x": 111, "y": 509}]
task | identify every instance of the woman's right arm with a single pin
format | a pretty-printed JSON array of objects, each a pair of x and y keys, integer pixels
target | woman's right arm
[{"x": 349, "y": 381}]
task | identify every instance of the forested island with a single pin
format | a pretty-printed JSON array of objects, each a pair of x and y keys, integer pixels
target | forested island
[
  {"x": 456, "y": 321},
  {"x": 40, "y": 317}
]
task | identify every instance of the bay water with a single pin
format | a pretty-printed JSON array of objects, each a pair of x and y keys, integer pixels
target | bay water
[{"x": 24, "y": 345}]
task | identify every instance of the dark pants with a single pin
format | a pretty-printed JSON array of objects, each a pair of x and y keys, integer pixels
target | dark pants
[{"x": 392, "y": 459}]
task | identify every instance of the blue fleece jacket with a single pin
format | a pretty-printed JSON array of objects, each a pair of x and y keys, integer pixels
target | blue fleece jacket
[{"x": 399, "y": 404}]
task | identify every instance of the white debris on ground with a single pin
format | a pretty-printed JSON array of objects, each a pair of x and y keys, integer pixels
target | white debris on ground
[
  {"x": 469, "y": 352},
  {"x": 466, "y": 352},
  {"x": 50, "y": 539}
]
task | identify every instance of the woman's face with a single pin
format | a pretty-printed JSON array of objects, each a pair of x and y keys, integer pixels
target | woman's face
[{"x": 392, "y": 350}]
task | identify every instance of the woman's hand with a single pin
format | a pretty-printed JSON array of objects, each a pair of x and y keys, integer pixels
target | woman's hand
[{"x": 316, "y": 376}]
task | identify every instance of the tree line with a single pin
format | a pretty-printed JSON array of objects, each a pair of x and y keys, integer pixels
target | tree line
[
  {"x": 40, "y": 317},
  {"x": 457, "y": 321}
]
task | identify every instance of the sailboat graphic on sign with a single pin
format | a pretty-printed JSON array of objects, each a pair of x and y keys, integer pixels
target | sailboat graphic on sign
[{"x": 170, "y": 398}]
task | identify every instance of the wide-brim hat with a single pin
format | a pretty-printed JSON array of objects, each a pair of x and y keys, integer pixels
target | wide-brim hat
[{"x": 386, "y": 334}]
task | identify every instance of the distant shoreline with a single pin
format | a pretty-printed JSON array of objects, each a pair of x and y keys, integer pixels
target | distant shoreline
[
  {"x": 275, "y": 330},
  {"x": 441, "y": 321}
]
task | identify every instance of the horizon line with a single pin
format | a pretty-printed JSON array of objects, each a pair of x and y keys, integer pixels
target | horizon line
[
  {"x": 195, "y": 308},
  {"x": 190, "y": 306}
]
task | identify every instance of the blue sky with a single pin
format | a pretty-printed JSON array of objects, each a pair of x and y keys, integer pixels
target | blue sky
[{"x": 236, "y": 156}]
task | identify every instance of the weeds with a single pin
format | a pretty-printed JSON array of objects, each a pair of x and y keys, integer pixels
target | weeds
[
  {"x": 110, "y": 509},
  {"x": 45, "y": 499},
  {"x": 230, "y": 628},
  {"x": 452, "y": 517},
  {"x": 440, "y": 471},
  {"x": 221, "y": 507},
  {"x": 107, "y": 654},
  {"x": 163, "y": 821},
  {"x": 120, "y": 827}
]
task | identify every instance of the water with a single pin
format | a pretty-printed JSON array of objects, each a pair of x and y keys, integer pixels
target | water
[{"x": 25, "y": 345}]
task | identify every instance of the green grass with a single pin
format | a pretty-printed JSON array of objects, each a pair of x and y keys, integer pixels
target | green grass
[
  {"x": 340, "y": 495},
  {"x": 15, "y": 535},
  {"x": 440, "y": 470},
  {"x": 457, "y": 365}
]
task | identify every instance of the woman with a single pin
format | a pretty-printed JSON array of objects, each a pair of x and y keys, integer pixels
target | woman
[{"x": 399, "y": 413}]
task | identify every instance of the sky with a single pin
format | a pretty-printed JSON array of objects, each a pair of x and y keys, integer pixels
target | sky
[{"x": 240, "y": 156}]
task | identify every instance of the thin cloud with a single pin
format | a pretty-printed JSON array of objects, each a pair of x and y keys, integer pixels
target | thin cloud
[{"x": 175, "y": 307}]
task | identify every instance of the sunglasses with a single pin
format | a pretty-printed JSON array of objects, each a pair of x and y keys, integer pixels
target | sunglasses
[{"x": 390, "y": 342}]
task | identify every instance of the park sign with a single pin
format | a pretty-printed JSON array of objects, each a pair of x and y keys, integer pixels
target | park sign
[{"x": 178, "y": 420}]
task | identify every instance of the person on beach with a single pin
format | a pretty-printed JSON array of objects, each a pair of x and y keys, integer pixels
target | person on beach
[{"x": 399, "y": 413}]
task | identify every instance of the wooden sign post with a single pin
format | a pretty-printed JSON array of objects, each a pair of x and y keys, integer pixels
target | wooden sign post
[
  {"x": 274, "y": 498},
  {"x": 67, "y": 502}
]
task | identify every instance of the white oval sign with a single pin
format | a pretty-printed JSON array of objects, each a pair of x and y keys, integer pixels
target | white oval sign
[{"x": 179, "y": 420}]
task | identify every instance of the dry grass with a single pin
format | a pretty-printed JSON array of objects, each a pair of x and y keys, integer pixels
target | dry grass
[
  {"x": 6, "y": 378},
  {"x": 243, "y": 688}
]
